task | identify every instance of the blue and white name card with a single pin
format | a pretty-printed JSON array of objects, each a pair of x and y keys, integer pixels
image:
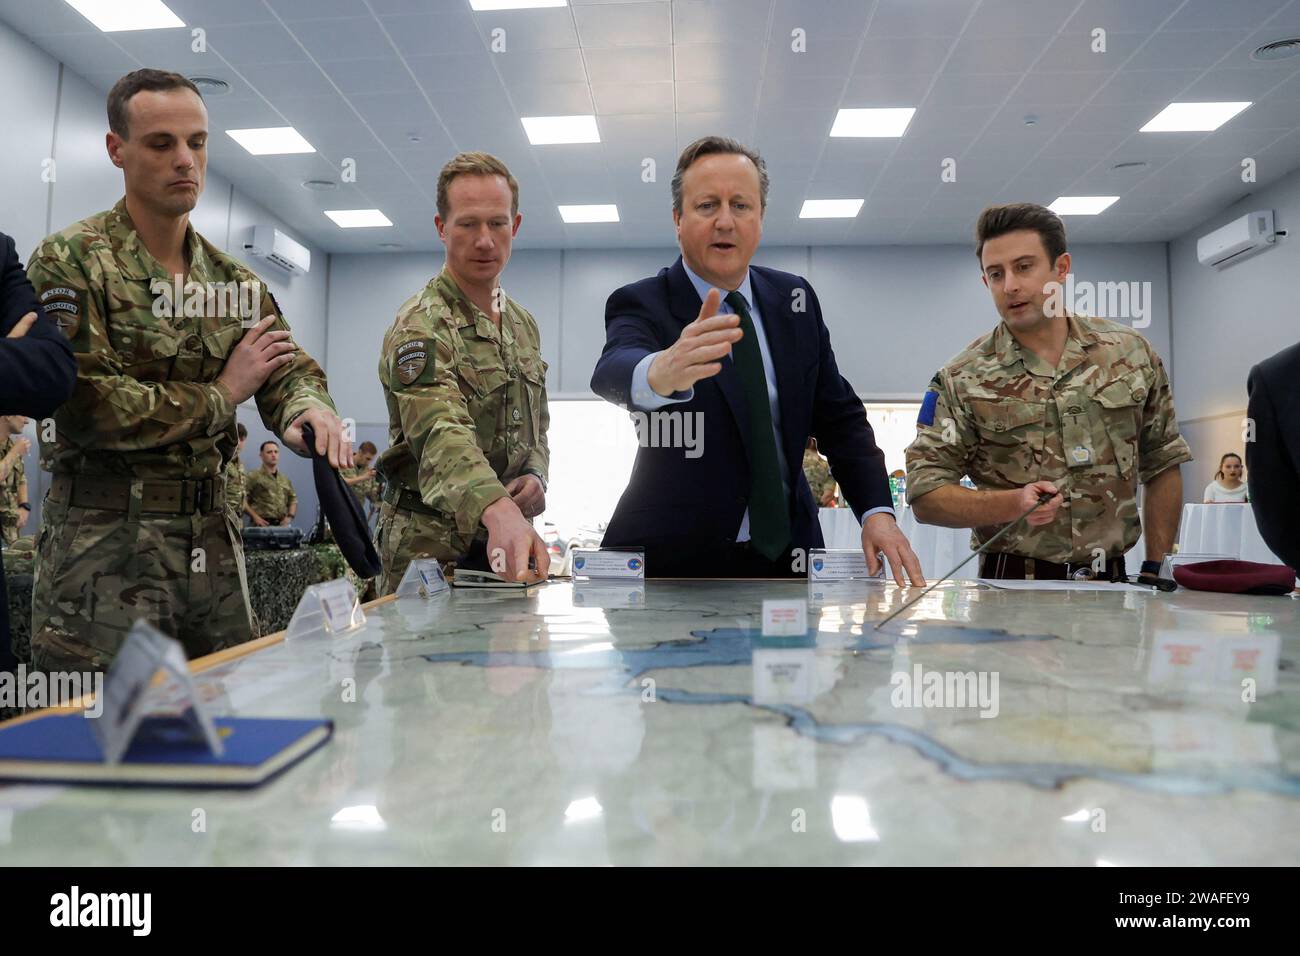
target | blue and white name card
[
  {"x": 849, "y": 564},
  {"x": 590, "y": 564}
]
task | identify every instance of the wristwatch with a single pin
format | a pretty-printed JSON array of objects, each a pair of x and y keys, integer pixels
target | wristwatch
[
  {"x": 23, "y": 504},
  {"x": 539, "y": 478}
]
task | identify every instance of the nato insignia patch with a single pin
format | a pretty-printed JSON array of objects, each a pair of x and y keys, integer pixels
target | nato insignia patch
[
  {"x": 63, "y": 305},
  {"x": 411, "y": 358},
  {"x": 927, "y": 408}
]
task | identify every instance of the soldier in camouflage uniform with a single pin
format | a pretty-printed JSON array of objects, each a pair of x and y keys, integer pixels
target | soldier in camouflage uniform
[
  {"x": 818, "y": 472},
  {"x": 465, "y": 384},
  {"x": 1048, "y": 403},
  {"x": 363, "y": 480},
  {"x": 14, "y": 506},
  {"x": 135, "y": 522},
  {"x": 269, "y": 497},
  {"x": 237, "y": 479}
]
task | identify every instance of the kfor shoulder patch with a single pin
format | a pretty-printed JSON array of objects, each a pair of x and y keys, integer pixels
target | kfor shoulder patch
[
  {"x": 410, "y": 360},
  {"x": 62, "y": 304}
]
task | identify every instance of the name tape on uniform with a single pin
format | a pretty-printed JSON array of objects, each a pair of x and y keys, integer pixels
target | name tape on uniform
[
  {"x": 846, "y": 565},
  {"x": 785, "y": 618},
  {"x": 588, "y": 564},
  {"x": 144, "y": 653}
]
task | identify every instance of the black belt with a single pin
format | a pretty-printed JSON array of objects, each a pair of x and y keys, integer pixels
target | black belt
[
  {"x": 404, "y": 499},
  {"x": 169, "y": 496},
  {"x": 1015, "y": 567}
]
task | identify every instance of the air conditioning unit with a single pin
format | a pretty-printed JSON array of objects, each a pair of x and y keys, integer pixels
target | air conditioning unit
[
  {"x": 1237, "y": 240},
  {"x": 271, "y": 245}
]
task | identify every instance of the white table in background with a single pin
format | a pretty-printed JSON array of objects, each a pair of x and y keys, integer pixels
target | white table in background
[
  {"x": 1227, "y": 528},
  {"x": 938, "y": 549}
]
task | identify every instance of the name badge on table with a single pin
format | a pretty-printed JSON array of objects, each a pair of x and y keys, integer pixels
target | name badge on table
[
  {"x": 602, "y": 563},
  {"x": 424, "y": 578},
  {"x": 785, "y": 618},
  {"x": 847, "y": 565},
  {"x": 329, "y": 608},
  {"x": 144, "y": 653}
]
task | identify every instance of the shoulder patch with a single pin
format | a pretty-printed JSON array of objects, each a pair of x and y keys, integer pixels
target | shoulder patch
[
  {"x": 62, "y": 304},
  {"x": 411, "y": 358},
  {"x": 927, "y": 408}
]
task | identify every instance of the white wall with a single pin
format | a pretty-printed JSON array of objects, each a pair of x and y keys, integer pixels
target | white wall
[
  {"x": 895, "y": 313},
  {"x": 1228, "y": 319},
  {"x": 85, "y": 183}
]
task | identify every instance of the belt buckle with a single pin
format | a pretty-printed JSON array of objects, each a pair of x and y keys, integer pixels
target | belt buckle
[
  {"x": 204, "y": 494},
  {"x": 188, "y": 494}
]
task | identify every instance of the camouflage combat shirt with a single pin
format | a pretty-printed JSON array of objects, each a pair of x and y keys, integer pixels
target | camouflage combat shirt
[
  {"x": 146, "y": 403},
  {"x": 467, "y": 408},
  {"x": 269, "y": 495},
  {"x": 1104, "y": 417}
]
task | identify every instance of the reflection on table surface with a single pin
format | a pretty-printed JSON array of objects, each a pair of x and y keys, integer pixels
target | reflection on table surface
[{"x": 981, "y": 726}]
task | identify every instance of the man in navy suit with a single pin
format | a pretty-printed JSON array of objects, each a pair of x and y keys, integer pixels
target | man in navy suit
[
  {"x": 37, "y": 371},
  {"x": 738, "y": 360}
]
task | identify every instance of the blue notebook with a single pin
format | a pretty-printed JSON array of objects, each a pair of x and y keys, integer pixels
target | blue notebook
[{"x": 61, "y": 748}]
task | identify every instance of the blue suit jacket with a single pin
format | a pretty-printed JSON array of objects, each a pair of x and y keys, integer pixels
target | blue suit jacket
[{"x": 676, "y": 502}]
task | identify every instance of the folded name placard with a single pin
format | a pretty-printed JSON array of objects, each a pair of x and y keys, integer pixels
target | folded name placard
[
  {"x": 624, "y": 564},
  {"x": 144, "y": 653},
  {"x": 424, "y": 578},
  {"x": 846, "y": 565}
]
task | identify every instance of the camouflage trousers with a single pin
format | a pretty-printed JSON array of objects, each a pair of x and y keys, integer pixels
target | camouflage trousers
[
  {"x": 9, "y": 529},
  {"x": 97, "y": 571},
  {"x": 402, "y": 535}
]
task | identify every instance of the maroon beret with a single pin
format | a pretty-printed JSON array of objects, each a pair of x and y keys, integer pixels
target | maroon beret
[{"x": 1236, "y": 577}]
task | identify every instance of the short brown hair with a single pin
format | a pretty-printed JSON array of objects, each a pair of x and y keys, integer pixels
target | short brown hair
[
  {"x": 707, "y": 146},
  {"x": 154, "y": 81},
  {"x": 367, "y": 446},
  {"x": 474, "y": 164},
  {"x": 997, "y": 221}
]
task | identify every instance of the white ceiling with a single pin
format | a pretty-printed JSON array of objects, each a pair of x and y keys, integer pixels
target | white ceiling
[{"x": 400, "y": 85}]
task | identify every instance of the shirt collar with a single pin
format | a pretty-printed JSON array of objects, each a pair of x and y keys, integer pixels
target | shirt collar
[{"x": 702, "y": 288}]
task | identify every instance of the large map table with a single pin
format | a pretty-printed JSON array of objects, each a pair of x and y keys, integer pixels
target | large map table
[{"x": 603, "y": 726}]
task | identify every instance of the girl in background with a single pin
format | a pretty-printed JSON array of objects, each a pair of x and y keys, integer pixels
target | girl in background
[{"x": 1228, "y": 483}]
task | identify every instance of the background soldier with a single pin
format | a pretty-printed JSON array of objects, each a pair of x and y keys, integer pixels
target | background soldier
[
  {"x": 363, "y": 479},
  {"x": 1048, "y": 397},
  {"x": 270, "y": 496},
  {"x": 818, "y": 472},
  {"x": 15, "y": 509},
  {"x": 465, "y": 383},
  {"x": 236, "y": 478},
  {"x": 135, "y": 522}
]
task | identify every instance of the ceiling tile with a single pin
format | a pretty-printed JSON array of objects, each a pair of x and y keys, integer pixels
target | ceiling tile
[
  {"x": 615, "y": 98},
  {"x": 624, "y": 24},
  {"x": 709, "y": 21},
  {"x": 640, "y": 64}
]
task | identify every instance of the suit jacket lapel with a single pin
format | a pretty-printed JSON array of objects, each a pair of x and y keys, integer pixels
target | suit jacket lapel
[{"x": 685, "y": 304}]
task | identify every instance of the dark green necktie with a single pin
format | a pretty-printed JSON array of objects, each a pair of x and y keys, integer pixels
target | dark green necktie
[{"x": 769, "y": 514}]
